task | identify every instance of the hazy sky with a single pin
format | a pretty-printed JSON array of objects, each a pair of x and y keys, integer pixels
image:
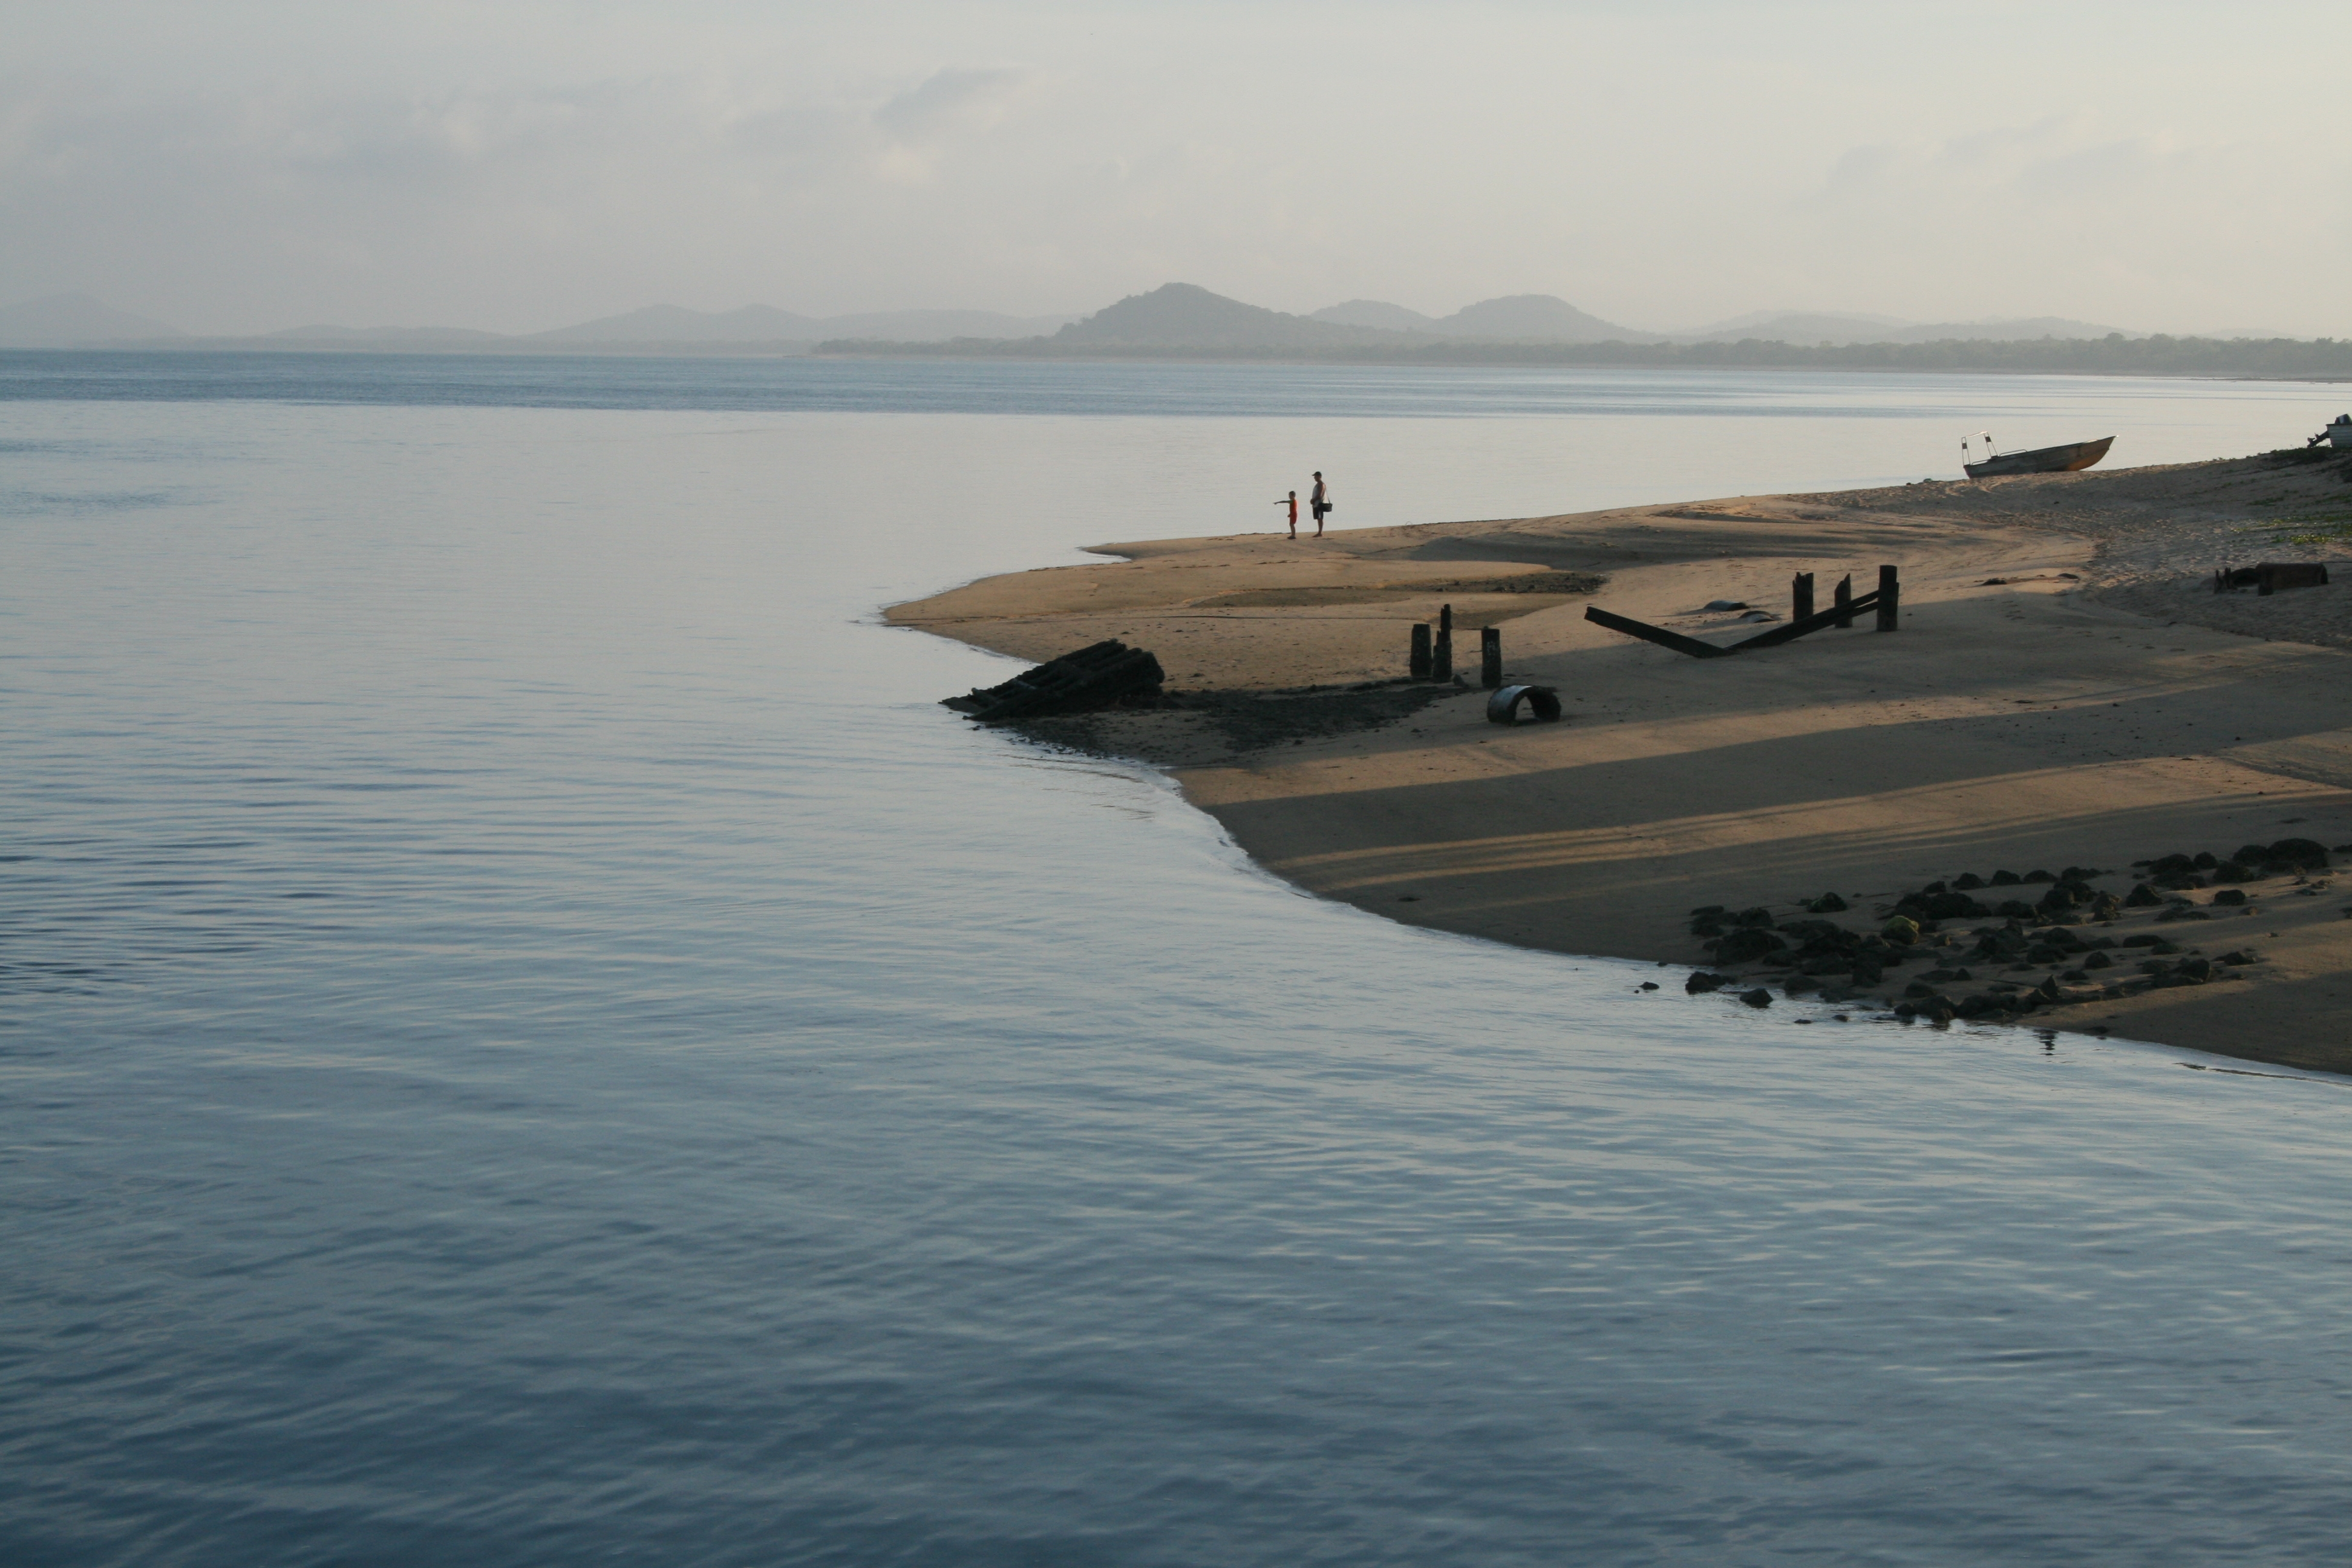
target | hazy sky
[{"x": 523, "y": 164}]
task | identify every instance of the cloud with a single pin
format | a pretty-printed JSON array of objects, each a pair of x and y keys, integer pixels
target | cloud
[
  {"x": 2083, "y": 216},
  {"x": 950, "y": 103},
  {"x": 920, "y": 125},
  {"x": 549, "y": 181},
  {"x": 520, "y": 166}
]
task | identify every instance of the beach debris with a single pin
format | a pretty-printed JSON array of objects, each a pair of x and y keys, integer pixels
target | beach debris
[
  {"x": 1490, "y": 658},
  {"x": 1719, "y": 606},
  {"x": 1886, "y": 601},
  {"x": 1542, "y": 703},
  {"x": 1102, "y": 675},
  {"x": 2269, "y": 576}
]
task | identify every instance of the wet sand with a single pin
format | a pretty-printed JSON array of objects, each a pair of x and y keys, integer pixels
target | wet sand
[{"x": 2096, "y": 706}]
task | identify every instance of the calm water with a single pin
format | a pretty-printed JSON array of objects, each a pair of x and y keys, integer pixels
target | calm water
[{"x": 525, "y": 1036}]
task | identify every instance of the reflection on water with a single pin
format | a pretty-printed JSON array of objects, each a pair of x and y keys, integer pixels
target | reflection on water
[{"x": 528, "y": 1036}]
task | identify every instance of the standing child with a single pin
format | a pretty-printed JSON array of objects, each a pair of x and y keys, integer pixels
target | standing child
[{"x": 1293, "y": 504}]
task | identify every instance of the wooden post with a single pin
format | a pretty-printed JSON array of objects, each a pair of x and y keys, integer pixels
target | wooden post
[
  {"x": 1800, "y": 596},
  {"x": 1843, "y": 598},
  {"x": 1490, "y": 658},
  {"x": 1890, "y": 598},
  {"x": 1417, "y": 665},
  {"x": 1441, "y": 661}
]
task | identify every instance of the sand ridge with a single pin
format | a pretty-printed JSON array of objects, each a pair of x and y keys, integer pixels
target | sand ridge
[{"x": 2096, "y": 706}]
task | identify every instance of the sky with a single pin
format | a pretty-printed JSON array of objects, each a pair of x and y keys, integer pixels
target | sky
[{"x": 236, "y": 167}]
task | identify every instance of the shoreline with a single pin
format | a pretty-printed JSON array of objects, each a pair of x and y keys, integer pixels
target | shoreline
[{"x": 2066, "y": 695}]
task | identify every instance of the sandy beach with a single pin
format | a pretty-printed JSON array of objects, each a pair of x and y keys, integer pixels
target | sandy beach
[{"x": 2066, "y": 692}]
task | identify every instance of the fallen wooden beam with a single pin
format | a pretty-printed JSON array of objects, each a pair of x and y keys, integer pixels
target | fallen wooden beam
[
  {"x": 1841, "y": 614},
  {"x": 1647, "y": 633},
  {"x": 1835, "y": 616}
]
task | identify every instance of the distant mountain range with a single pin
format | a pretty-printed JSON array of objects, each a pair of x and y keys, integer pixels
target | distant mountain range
[
  {"x": 1185, "y": 316},
  {"x": 1542, "y": 318},
  {"x": 765, "y": 323},
  {"x": 1180, "y": 317},
  {"x": 71, "y": 320},
  {"x": 1515, "y": 318},
  {"x": 64, "y": 321},
  {"x": 1811, "y": 327}
]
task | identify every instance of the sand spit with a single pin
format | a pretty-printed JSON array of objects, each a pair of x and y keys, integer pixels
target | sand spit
[{"x": 2095, "y": 706}]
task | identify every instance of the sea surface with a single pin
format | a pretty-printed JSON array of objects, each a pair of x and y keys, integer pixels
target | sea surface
[{"x": 527, "y": 1037}]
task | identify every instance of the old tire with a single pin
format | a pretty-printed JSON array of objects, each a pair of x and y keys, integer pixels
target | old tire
[{"x": 1542, "y": 703}]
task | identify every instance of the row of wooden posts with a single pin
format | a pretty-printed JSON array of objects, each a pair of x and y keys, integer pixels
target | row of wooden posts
[
  {"x": 1433, "y": 658},
  {"x": 1890, "y": 598}
]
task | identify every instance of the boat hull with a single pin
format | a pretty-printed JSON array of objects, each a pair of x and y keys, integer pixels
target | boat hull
[{"x": 2042, "y": 459}]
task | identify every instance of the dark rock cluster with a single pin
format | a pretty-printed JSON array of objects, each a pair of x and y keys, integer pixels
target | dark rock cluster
[
  {"x": 2248, "y": 863},
  {"x": 2043, "y": 946}
]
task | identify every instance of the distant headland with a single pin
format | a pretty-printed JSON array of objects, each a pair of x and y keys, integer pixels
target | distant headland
[{"x": 1185, "y": 321}]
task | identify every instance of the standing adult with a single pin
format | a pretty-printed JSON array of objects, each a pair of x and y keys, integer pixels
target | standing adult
[{"x": 1320, "y": 502}]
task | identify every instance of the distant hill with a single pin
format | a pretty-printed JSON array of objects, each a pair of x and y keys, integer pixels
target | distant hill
[
  {"x": 1738, "y": 327},
  {"x": 1374, "y": 313},
  {"x": 1186, "y": 316},
  {"x": 388, "y": 337},
  {"x": 2023, "y": 329},
  {"x": 676, "y": 324},
  {"x": 1513, "y": 319},
  {"x": 1811, "y": 327},
  {"x": 63, "y": 321},
  {"x": 939, "y": 326},
  {"x": 765, "y": 323},
  {"x": 1534, "y": 319},
  {"x": 1797, "y": 327}
]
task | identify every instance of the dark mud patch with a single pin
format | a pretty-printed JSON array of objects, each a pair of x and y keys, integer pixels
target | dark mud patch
[{"x": 1193, "y": 727}]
